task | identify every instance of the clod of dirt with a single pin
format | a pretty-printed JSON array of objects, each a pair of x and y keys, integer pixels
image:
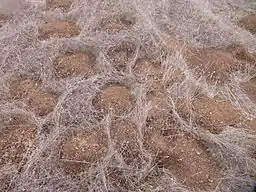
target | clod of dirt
[
  {"x": 125, "y": 136},
  {"x": 120, "y": 56},
  {"x": 82, "y": 150},
  {"x": 63, "y": 4},
  {"x": 58, "y": 29},
  {"x": 40, "y": 101},
  {"x": 74, "y": 64},
  {"x": 145, "y": 68},
  {"x": 250, "y": 88},
  {"x": 214, "y": 65},
  {"x": 3, "y": 19},
  {"x": 115, "y": 97},
  {"x": 249, "y": 23},
  {"x": 186, "y": 159},
  {"x": 241, "y": 54},
  {"x": 212, "y": 114},
  {"x": 116, "y": 23},
  {"x": 17, "y": 138}
]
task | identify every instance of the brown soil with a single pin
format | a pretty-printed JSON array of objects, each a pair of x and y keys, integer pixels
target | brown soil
[
  {"x": 117, "y": 23},
  {"x": 120, "y": 56},
  {"x": 63, "y": 4},
  {"x": 40, "y": 101},
  {"x": 147, "y": 69},
  {"x": 58, "y": 29},
  {"x": 125, "y": 136},
  {"x": 176, "y": 45},
  {"x": 3, "y": 19},
  {"x": 215, "y": 65},
  {"x": 187, "y": 159},
  {"x": 74, "y": 64},
  {"x": 82, "y": 150},
  {"x": 17, "y": 138},
  {"x": 212, "y": 114},
  {"x": 250, "y": 88},
  {"x": 249, "y": 23},
  {"x": 114, "y": 97}
]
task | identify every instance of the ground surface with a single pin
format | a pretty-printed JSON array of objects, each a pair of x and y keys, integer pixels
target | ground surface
[{"x": 118, "y": 96}]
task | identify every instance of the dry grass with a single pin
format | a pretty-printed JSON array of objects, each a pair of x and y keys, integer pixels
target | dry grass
[{"x": 127, "y": 95}]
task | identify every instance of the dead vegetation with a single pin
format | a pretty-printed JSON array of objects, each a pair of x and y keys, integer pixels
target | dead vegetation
[{"x": 158, "y": 103}]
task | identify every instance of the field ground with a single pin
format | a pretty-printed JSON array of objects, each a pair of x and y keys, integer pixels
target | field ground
[{"x": 118, "y": 95}]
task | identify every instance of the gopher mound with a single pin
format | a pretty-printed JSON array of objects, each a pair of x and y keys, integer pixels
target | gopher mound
[
  {"x": 249, "y": 23},
  {"x": 63, "y": 4},
  {"x": 120, "y": 56},
  {"x": 125, "y": 136},
  {"x": 81, "y": 150},
  {"x": 146, "y": 68},
  {"x": 250, "y": 89},
  {"x": 186, "y": 159},
  {"x": 214, "y": 65},
  {"x": 212, "y": 114},
  {"x": 115, "y": 97},
  {"x": 74, "y": 64},
  {"x": 116, "y": 23},
  {"x": 40, "y": 101},
  {"x": 17, "y": 139},
  {"x": 58, "y": 29}
]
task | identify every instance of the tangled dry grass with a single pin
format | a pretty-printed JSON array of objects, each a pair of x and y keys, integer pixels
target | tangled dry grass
[{"x": 118, "y": 95}]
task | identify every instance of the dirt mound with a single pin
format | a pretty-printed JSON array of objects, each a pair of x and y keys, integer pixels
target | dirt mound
[
  {"x": 120, "y": 56},
  {"x": 17, "y": 139},
  {"x": 115, "y": 97},
  {"x": 250, "y": 88},
  {"x": 58, "y": 29},
  {"x": 74, "y": 64},
  {"x": 82, "y": 150},
  {"x": 125, "y": 136},
  {"x": 249, "y": 23},
  {"x": 3, "y": 19},
  {"x": 212, "y": 114},
  {"x": 63, "y": 4},
  {"x": 40, "y": 101},
  {"x": 116, "y": 23},
  {"x": 186, "y": 159}
]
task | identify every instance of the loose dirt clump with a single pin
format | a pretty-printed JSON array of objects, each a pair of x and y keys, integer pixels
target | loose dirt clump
[
  {"x": 81, "y": 150},
  {"x": 58, "y": 29},
  {"x": 249, "y": 23},
  {"x": 125, "y": 137},
  {"x": 186, "y": 159},
  {"x": 116, "y": 23},
  {"x": 115, "y": 97},
  {"x": 63, "y": 4},
  {"x": 212, "y": 64},
  {"x": 17, "y": 139},
  {"x": 250, "y": 89},
  {"x": 120, "y": 56},
  {"x": 212, "y": 114},
  {"x": 40, "y": 101},
  {"x": 75, "y": 64}
]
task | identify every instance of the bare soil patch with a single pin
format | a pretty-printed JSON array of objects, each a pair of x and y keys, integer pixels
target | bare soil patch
[
  {"x": 75, "y": 64},
  {"x": 58, "y": 29},
  {"x": 187, "y": 159},
  {"x": 125, "y": 136},
  {"x": 115, "y": 97},
  {"x": 3, "y": 19},
  {"x": 120, "y": 56},
  {"x": 250, "y": 88},
  {"x": 63, "y": 4},
  {"x": 248, "y": 22},
  {"x": 40, "y": 101},
  {"x": 82, "y": 150},
  {"x": 212, "y": 114},
  {"x": 17, "y": 139},
  {"x": 116, "y": 23}
]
